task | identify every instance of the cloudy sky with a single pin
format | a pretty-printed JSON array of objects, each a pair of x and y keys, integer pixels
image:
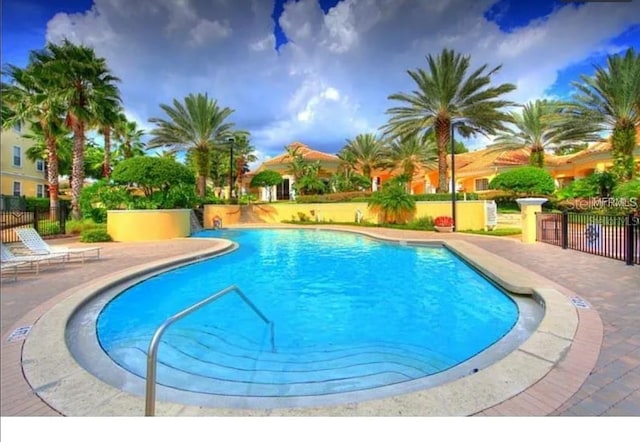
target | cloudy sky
[{"x": 314, "y": 71}]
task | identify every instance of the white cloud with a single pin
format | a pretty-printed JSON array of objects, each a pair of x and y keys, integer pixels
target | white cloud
[
  {"x": 206, "y": 30},
  {"x": 332, "y": 80}
]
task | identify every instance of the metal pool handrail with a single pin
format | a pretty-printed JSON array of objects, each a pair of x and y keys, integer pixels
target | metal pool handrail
[{"x": 152, "y": 354}]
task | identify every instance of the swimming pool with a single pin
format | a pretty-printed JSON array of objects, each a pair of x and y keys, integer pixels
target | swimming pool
[{"x": 352, "y": 315}]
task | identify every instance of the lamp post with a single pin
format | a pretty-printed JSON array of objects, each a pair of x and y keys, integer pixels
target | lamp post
[
  {"x": 453, "y": 178},
  {"x": 231, "y": 141}
]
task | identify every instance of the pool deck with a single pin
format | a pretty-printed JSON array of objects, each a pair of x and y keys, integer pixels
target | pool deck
[{"x": 598, "y": 374}]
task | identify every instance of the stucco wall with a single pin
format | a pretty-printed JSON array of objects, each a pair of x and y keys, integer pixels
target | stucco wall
[
  {"x": 469, "y": 214},
  {"x": 148, "y": 225}
]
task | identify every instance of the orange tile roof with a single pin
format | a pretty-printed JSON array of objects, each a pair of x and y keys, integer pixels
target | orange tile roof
[
  {"x": 595, "y": 148},
  {"x": 487, "y": 158},
  {"x": 307, "y": 153}
]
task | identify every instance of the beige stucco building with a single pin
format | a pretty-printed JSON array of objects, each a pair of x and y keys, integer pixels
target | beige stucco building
[{"x": 19, "y": 175}]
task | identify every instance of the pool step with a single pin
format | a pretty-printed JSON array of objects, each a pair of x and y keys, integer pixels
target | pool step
[
  {"x": 194, "y": 363},
  {"x": 135, "y": 361}
]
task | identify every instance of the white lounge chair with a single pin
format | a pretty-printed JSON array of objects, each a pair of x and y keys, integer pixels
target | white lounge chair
[
  {"x": 36, "y": 245},
  {"x": 5, "y": 267},
  {"x": 8, "y": 259}
]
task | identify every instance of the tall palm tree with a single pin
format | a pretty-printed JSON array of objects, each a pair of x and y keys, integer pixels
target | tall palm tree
[
  {"x": 107, "y": 118},
  {"x": 128, "y": 137},
  {"x": 610, "y": 101},
  {"x": 368, "y": 151},
  {"x": 84, "y": 84},
  {"x": 63, "y": 146},
  {"x": 27, "y": 99},
  {"x": 196, "y": 125},
  {"x": 539, "y": 126},
  {"x": 411, "y": 153},
  {"x": 448, "y": 94}
]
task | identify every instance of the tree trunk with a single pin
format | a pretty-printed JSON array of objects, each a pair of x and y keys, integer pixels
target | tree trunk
[
  {"x": 106, "y": 164},
  {"x": 77, "y": 170},
  {"x": 537, "y": 156},
  {"x": 201, "y": 185},
  {"x": 623, "y": 141},
  {"x": 203, "y": 166},
  {"x": 443, "y": 140},
  {"x": 52, "y": 174}
]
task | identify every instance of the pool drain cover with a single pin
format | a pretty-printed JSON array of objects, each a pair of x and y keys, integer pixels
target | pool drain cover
[{"x": 19, "y": 333}]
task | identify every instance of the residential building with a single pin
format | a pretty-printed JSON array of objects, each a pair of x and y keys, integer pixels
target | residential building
[
  {"x": 20, "y": 176},
  {"x": 474, "y": 170},
  {"x": 282, "y": 164}
]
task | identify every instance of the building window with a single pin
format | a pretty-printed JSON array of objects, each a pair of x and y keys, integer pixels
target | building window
[
  {"x": 482, "y": 184},
  {"x": 17, "y": 188},
  {"x": 40, "y": 165},
  {"x": 17, "y": 156},
  {"x": 40, "y": 190},
  {"x": 17, "y": 127}
]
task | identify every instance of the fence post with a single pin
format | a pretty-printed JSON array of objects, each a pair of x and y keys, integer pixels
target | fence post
[
  {"x": 630, "y": 240},
  {"x": 62, "y": 219},
  {"x": 35, "y": 217},
  {"x": 564, "y": 225}
]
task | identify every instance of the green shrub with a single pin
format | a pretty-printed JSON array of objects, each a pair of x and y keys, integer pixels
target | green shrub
[
  {"x": 445, "y": 197},
  {"x": 104, "y": 195},
  {"x": 98, "y": 215},
  {"x": 337, "y": 197},
  {"x": 49, "y": 228},
  {"x": 303, "y": 217},
  {"x": 596, "y": 184},
  {"x": 79, "y": 226},
  {"x": 179, "y": 196},
  {"x": 423, "y": 223},
  {"x": 628, "y": 190},
  {"x": 40, "y": 204},
  {"x": 393, "y": 204},
  {"x": 526, "y": 180},
  {"x": 95, "y": 235},
  {"x": 246, "y": 199}
]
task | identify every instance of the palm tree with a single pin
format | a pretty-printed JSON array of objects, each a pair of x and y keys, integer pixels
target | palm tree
[
  {"x": 539, "y": 126},
  {"x": 196, "y": 125},
  {"x": 107, "y": 119},
  {"x": 63, "y": 146},
  {"x": 610, "y": 101},
  {"x": 392, "y": 203},
  {"x": 367, "y": 151},
  {"x": 447, "y": 94},
  {"x": 128, "y": 137},
  {"x": 82, "y": 82},
  {"x": 243, "y": 152},
  {"x": 28, "y": 99},
  {"x": 411, "y": 153}
]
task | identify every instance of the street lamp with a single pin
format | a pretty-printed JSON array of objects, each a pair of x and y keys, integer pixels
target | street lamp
[
  {"x": 453, "y": 177},
  {"x": 231, "y": 141}
]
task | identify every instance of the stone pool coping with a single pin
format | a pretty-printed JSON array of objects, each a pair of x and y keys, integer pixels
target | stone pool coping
[{"x": 65, "y": 386}]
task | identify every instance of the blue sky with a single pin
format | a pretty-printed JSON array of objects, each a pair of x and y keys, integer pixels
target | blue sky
[{"x": 314, "y": 71}]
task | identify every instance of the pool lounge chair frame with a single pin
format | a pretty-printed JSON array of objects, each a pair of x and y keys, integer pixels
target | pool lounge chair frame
[
  {"x": 36, "y": 245},
  {"x": 8, "y": 259}
]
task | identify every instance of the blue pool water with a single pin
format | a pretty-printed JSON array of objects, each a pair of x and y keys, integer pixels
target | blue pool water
[{"x": 350, "y": 314}]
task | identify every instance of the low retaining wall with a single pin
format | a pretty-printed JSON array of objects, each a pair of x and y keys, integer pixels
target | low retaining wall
[
  {"x": 470, "y": 215},
  {"x": 148, "y": 225}
]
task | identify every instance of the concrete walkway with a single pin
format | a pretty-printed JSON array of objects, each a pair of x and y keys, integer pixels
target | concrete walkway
[{"x": 613, "y": 388}]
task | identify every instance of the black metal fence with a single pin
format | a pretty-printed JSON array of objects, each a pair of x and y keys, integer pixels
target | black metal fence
[
  {"x": 616, "y": 237},
  {"x": 43, "y": 220}
]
